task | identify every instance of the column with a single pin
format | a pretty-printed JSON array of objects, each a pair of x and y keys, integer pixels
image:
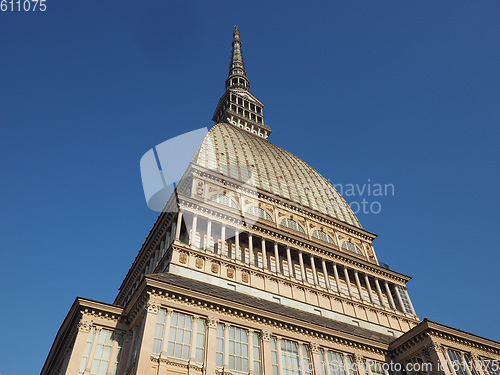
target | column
[
  {"x": 267, "y": 364},
  {"x": 358, "y": 284},
  {"x": 400, "y": 300},
  {"x": 250, "y": 351},
  {"x": 379, "y": 291},
  {"x": 211, "y": 344},
  {"x": 347, "y": 280},
  {"x": 360, "y": 363},
  {"x": 337, "y": 279},
  {"x": 226, "y": 346},
  {"x": 368, "y": 368},
  {"x": 328, "y": 365},
  {"x": 206, "y": 245},
  {"x": 112, "y": 355},
  {"x": 448, "y": 360},
  {"x": 277, "y": 258},
  {"x": 178, "y": 226},
  {"x": 166, "y": 332},
  {"x": 264, "y": 253},
  {"x": 467, "y": 369},
  {"x": 278, "y": 354},
  {"x": 389, "y": 295},
  {"x": 316, "y": 362},
  {"x": 325, "y": 272},
  {"x": 251, "y": 259},
  {"x": 369, "y": 287},
  {"x": 88, "y": 365},
  {"x": 291, "y": 270},
  {"x": 315, "y": 274},
  {"x": 438, "y": 359},
  {"x": 409, "y": 300},
  {"x": 301, "y": 359},
  {"x": 477, "y": 363},
  {"x": 237, "y": 245},
  {"x": 223, "y": 240},
  {"x": 192, "y": 349},
  {"x": 82, "y": 336},
  {"x": 192, "y": 237},
  {"x": 302, "y": 268}
]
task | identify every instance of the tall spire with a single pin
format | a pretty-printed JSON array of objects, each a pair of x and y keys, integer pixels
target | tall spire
[
  {"x": 238, "y": 106},
  {"x": 237, "y": 67}
]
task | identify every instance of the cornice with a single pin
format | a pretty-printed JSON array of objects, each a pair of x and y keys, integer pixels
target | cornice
[{"x": 436, "y": 332}]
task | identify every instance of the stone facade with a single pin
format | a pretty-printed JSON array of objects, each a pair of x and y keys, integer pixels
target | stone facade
[{"x": 258, "y": 266}]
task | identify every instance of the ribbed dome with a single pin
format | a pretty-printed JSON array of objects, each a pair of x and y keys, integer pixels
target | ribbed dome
[{"x": 273, "y": 169}]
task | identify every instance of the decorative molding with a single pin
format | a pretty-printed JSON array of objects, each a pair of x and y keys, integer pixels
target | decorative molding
[
  {"x": 84, "y": 326},
  {"x": 244, "y": 277},
  {"x": 314, "y": 347},
  {"x": 153, "y": 307},
  {"x": 265, "y": 335},
  {"x": 211, "y": 322}
]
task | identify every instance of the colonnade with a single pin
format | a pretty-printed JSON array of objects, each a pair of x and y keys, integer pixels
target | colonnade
[{"x": 273, "y": 256}]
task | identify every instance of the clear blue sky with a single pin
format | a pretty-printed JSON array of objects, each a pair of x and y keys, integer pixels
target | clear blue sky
[{"x": 399, "y": 92}]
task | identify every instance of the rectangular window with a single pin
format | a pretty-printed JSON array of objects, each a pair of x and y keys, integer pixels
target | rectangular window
[
  {"x": 321, "y": 279},
  {"x": 343, "y": 287},
  {"x": 335, "y": 361},
  {"x": 456, "y": 362},
  {"x": 160, "y": 326},
  {"x": 200, "y": 341},
  {"x": 102, "y": 353},
  {"x": 491, "y": 367},
  {"x": 179, "y": 340},
  {"x": 333, "y": 282},
  {"x": 290, "y": 358},
  {"x": 219, "y": 347},
  {"x": 274, "y": 356},
  {"x": 256, "y": 353},
  {"x": 238, "y": 349},
  {"x": 272, "y": 260},
  {"x": 309, "y": 275},
  {"x": 298, "y": 274},
  {"x": 404, "y": 298},
  {"x": 376, "y": 368}
]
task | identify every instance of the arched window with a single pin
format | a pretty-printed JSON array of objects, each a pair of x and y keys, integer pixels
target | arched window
[
  {"x": 292, "y": 224},
  {"x": 320, "y": 235},
  {"x": 349, "y": 246},
  {"x": 224, "y": 200},
  {"x": 259, "y": 212}
]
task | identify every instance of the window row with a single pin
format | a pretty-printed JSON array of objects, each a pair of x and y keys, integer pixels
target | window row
[
  {"x": 286, "y": 222},
  {"x": 462, "y": 363},
  {"x": 102, "y": 352},
  {"x": 183, "y": 337}
]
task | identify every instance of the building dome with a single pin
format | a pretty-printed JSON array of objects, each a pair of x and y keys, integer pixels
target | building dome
[{"x": 235, "y": 152}]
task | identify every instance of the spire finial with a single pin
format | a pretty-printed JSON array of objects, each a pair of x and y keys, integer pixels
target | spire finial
[
  {"x": 238, "y": 106},
  {"x": 237, "y": 67}
]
